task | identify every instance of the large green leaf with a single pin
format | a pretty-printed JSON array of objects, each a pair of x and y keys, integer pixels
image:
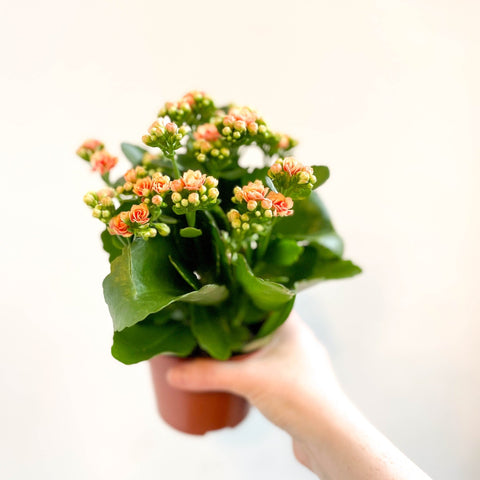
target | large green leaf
[
  {"x": 275, "y": 319},
  {"x": 111, "y": 245},
  {"x": 284, "y": 251},
  {"x": 264, "y": 294},
  {"x": 145, "y": 340},
  {"x": 322, "y": 174},
  {"x": 133, "y": 153},
  {"x": 310, "y": 223},
  {"x": 143, "y": 281},
  {"x": 212, "y": 332}
]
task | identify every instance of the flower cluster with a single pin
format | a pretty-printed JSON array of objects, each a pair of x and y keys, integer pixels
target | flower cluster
[
  {"x": 93, "y": 151},
  {"x": 256, "y": 207},
  {"x": 242, "y": 123},
  {"x": 88, "y": 148},
  {"x": 165, "y": 135},
  {"x": 209, "y": 145},
  {"x": 101, "y": 203},
  {"x": 193, "y": 191},
  {"x": 138, "y": 221},
  {"x": 291, "y": 176},
  {"x": 193, "y": 108}
]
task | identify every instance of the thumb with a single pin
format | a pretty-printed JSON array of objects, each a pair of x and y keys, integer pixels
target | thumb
[{"x": 202, "y": 374}]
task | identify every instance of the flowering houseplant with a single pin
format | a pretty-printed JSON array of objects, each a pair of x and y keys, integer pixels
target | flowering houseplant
[{"x": 206, "y": 255}]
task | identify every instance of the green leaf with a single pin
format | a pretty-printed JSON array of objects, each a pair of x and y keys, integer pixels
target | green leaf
[
  {"x": 185, "y": 273},
  {"x": 111, "y": 245},
  {"x": 322, "y": 173},
  {"x": 133, "y": 153},
  {"x": 190, "y": 232},
  {"x": 144, "y": 340},
  {"x": 275, "y": 319},
  {"x": 211, "y": 332},
  {"x": 284, "y": 251},
  {"x": 264, "y": 294},
  {"x": 211, "y": 294},
  {"x": 142, "y": 281},
  {"x": 310, "y": 223}
]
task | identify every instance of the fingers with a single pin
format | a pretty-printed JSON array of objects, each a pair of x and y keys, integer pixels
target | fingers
[{"x": 211, "y": 375}]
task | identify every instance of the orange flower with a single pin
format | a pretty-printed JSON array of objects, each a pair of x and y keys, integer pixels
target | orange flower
[
  {"x": 281, "y": 204},
  {"x": 160, "y": 183},
  {"x": 92, "y": 144},
  {"x": 143, "y": 186},
  {"x": 207, "y": 131},
  {"x": 177, "y": 185},
  {"x": 292, "y": 166},
  {"x": 117, "y": 225},
  {"x": 254, "y": 191},
  {"x": 284, "y": 141},
  {"x": 243, "y": 113},
  {"x": 130, "y": 176},
  {"x": 139, "y": 214},
  {"x": 102, "y": 161},
  {"x": 190, "y": 97},
  {"x": 193, "y": 180}
]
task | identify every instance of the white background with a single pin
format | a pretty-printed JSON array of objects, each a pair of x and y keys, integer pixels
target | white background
[{"x": 384, "y": 92}]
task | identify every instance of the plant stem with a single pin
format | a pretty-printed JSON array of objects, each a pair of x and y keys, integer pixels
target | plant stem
[
  {"x": 191, "y": 218},
  {"x": 176, "y": 171}
]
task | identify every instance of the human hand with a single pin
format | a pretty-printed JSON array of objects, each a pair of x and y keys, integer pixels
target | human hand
[
  {"x": 292, "y": 383},
  {"x": 285, "y": 380}
]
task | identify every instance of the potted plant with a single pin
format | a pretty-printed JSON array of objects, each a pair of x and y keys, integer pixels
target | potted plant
[{"x": 207, "y": 255}]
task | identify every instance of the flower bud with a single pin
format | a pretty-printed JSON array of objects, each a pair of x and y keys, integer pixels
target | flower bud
[
  {"x": 157, "y": 200},
  {"x": 89, "y": 199},
  {"x": 303, "y": 178},
  {"x": 176, "y": 197},
  {"x": 251, "y": 205},
  {"x": 253, "y": 128},
  {"x": 163, "y": 229},
  {"x": 213, "y": 193},
  {"x": 194, "y": 198}
]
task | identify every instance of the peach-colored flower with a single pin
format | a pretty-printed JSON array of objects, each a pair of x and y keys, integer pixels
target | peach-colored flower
[
  {"x": 105, "y": 192},
  {"x": 143, "y": 186},
  {"x": 160, "y": 183},
  {"x": 130, "y": 176},
  {"x": 292, "y": 166},
  {"x": 207, "y": 131},
  {"x": 243, "y": 113},
  {"x": 254, "y": 191},
  {"x": 189, "y": 97},
  {"x": 157, "y": 200},
  {"x": 282, "y": 205},
  {"x": 275, "y": 169},
  {"x": 193, "y": 180},
  {"x": 102, "y": 161},
  {"x": 177, "y": 185},
  {"x": 284, "y": 142},
  {"x": 117, "y": 225},
  {"x": 139, "y": 214},
  {"x": 92, "y": 144},
  {"x": 171, "y": 128}
]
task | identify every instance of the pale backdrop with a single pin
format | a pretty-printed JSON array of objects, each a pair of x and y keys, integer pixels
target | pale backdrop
[{"x": 384, "y": 92}]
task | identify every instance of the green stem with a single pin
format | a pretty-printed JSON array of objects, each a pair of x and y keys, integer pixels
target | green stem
[
  {"x": 106, "y": 179},
  {"x": 191, "y": 218},
  {"x": 176, "y": 171},
  {"x": 262, "y": 248}
]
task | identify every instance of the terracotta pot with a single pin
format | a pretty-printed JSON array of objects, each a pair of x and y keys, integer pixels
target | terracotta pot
[{"x": 194, "y": 412}]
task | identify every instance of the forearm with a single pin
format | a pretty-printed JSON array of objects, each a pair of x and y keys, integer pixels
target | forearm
[{"x": 338, "y": 443}]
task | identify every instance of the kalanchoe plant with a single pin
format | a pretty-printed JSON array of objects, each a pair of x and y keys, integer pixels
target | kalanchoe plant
[{"x": 207, "y": 256}]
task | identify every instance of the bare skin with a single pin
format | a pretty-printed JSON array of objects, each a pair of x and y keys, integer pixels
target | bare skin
[{"x": 292, "y": 383}]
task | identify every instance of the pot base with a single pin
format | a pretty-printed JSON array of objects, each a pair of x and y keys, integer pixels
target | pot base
[{"x": 195, "y": 413}]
